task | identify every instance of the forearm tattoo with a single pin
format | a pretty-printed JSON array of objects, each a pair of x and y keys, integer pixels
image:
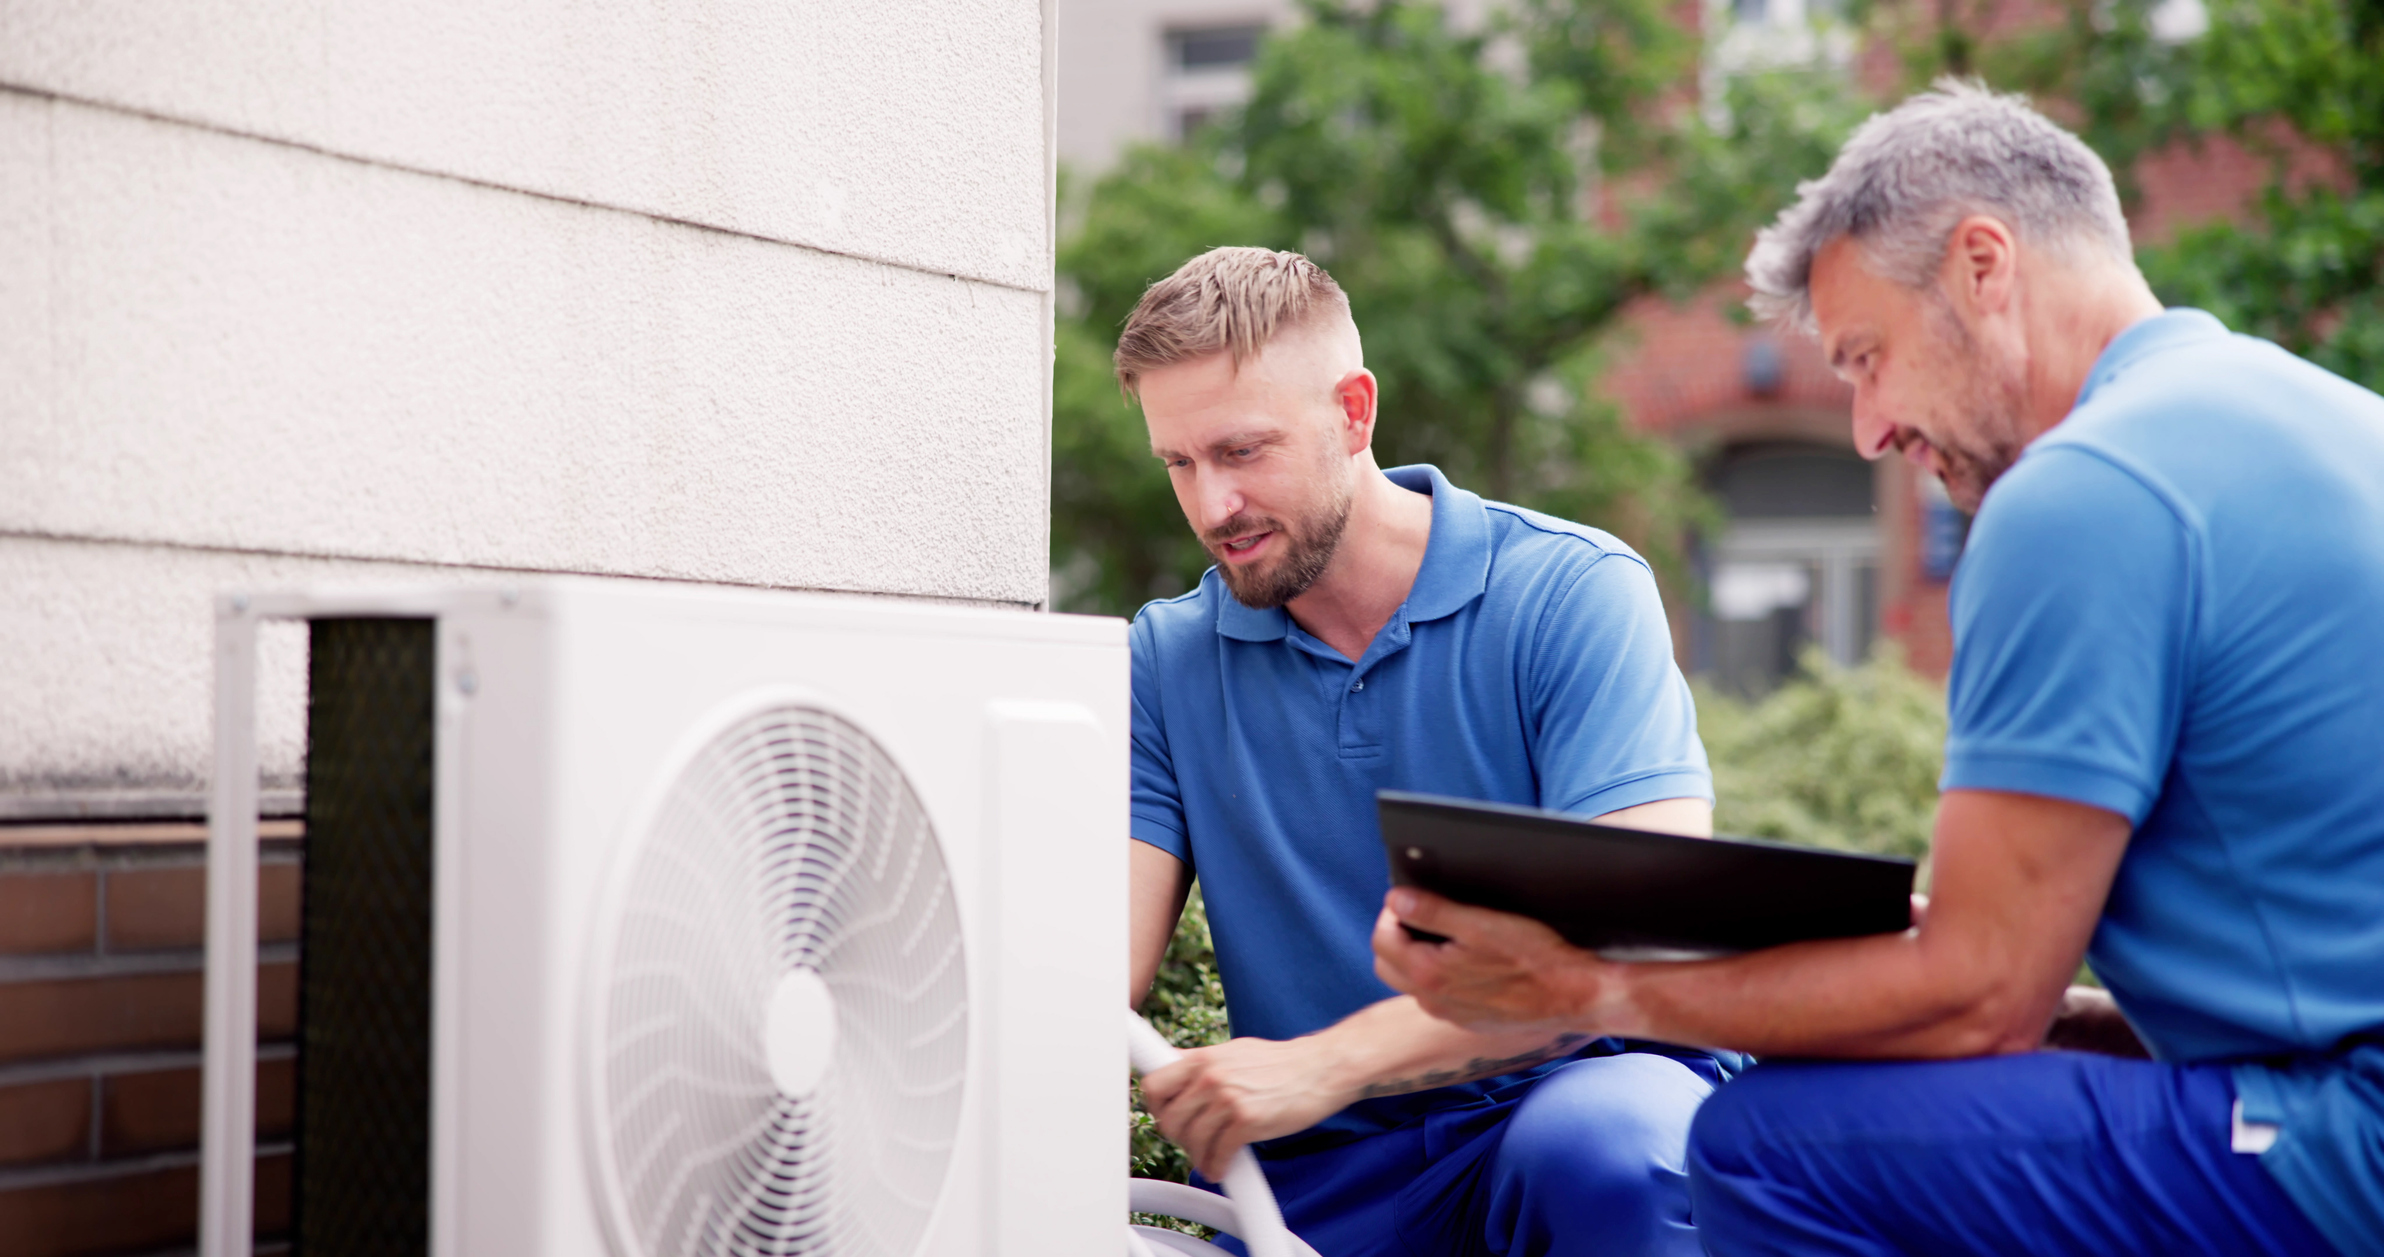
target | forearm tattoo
[{"x": 1477, "y": 1068}]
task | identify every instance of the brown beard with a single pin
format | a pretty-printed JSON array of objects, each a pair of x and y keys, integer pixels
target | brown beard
[{"x": 1307, "y": 551}]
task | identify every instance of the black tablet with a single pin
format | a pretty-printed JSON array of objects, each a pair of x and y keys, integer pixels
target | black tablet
[{"x": 1634, "y": 895}]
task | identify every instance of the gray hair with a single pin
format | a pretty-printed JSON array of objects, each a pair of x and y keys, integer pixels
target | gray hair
[{"x": 1910, "y": 175}]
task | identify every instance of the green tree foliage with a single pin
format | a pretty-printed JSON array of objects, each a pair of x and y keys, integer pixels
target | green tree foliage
[
  {"x": 1491, "y": 199},
  {"x": 2299, "y": 81},
  {"x": 2307, "y": 271}
]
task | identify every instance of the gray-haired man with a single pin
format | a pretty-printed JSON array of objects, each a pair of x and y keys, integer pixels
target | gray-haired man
[{"x": 2164, "y": 744}]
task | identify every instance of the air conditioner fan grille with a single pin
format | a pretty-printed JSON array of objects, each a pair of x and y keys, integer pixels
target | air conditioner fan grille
[{"x": 789, "y": 842}]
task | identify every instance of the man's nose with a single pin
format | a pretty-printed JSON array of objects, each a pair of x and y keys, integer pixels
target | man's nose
[
  {"x": 1220, "y": 500},
  {"x": 1874, "y": 432}
]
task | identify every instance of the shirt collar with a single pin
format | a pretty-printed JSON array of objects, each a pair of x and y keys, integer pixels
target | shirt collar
[
  {"x": 1456, "y": 563},
  {"x": 2169, "y": 329}
]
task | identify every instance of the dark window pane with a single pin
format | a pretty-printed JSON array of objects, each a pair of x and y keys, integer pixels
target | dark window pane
[
  {"x": 1215, "y": 49},
  {"x": 1773, "y": 480}
]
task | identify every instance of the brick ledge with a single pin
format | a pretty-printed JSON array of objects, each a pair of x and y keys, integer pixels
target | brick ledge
[{"x": 52, "y": 834}]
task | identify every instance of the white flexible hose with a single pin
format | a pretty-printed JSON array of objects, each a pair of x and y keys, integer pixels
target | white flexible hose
[{"x": 1258, "y": 1223}]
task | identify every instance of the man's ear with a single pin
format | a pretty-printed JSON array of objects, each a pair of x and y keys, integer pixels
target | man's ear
[
  {"x": 1982, "y": 264},
  {"x": 1357, "y": 396}
]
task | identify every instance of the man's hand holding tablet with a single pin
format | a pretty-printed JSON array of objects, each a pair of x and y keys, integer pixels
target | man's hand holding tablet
[{"x": 1550, "y": 903}]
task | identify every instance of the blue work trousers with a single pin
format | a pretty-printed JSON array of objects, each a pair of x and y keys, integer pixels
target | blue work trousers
[
  {"x": 2047, "y": 1154},
  {"x": 1589, "y": 1158}
]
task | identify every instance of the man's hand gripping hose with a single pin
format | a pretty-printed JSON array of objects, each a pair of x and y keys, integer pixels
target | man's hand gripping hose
[{"x": 1247, "y": 1212}]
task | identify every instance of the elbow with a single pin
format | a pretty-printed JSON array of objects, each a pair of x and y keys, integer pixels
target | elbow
[
  {"x": 2007, "y": 1041},
  {"x": 1982, "y": 1000},
  {"x": 1999, "y": 1024}
]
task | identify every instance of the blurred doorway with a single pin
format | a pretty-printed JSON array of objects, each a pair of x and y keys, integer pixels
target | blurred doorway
[{"x": 1798, "y": 564}]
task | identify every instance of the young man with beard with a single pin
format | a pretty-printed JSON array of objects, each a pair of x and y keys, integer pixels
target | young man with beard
[
  {"x": 1364, "y": 630},
  {"x": 2166, "y": 753}
]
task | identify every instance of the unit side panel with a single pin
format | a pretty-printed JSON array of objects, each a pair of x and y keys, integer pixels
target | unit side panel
[
  {"x": 606, "y": 734},
  {"x": 498, "y": 1126}
]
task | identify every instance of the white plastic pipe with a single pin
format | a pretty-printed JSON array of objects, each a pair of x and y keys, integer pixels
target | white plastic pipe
[
  {"x": 1259, "y": 1223},
  {"x": 228, "y": 1078}
]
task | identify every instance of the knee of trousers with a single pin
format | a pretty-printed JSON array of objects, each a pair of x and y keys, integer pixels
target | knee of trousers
[
  {"x": 1737, "y": 1124},
  {"x": 1612, "y": 1130}
]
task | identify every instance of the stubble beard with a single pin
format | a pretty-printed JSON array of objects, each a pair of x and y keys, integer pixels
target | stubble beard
[
  {"x": 1989, "y": 402},
  {"x": 1308, "y": 547}
]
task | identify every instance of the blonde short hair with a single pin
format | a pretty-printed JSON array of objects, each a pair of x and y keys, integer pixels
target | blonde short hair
[{"x": 1231, "y": 299}]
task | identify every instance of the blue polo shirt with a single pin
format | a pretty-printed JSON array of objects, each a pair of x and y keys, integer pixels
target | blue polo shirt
[
  {"x": 1531, "y": 664},
  {"x": 2172, "y": 607}
]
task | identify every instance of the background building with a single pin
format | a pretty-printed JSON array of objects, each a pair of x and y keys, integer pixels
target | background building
[
  {"x": 308, "y": 293},
  {"x": 1142, "y": 70}
]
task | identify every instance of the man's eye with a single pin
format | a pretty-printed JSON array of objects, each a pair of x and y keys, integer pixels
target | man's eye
[{"x": 1245, "y": 452}]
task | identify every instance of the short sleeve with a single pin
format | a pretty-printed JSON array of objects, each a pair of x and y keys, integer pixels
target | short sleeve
[
  {"x": 2072, "y": 615},
  {"x": 1615, "y": 725},
  {"x": 1158, "y": 802}
]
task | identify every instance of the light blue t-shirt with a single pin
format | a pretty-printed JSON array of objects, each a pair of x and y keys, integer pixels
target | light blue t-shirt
[
  {"x": 2172, "y": 607},
  {"x": 1530, "y": 664}
]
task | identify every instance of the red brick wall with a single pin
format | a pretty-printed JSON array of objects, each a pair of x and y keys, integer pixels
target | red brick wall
[
  {"x": 2190, "y": 183},
  {"x": 1680, "y": 369},
  {"x": 101, "y": 992}
]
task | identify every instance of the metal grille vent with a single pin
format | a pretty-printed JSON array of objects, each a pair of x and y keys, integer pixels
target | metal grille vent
[
  {"x": 780, "y": 1019},
  {"x": 364, "y": 988}
]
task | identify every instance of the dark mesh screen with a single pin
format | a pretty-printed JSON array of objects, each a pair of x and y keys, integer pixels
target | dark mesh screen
[{"x": 363, "y": 1155}]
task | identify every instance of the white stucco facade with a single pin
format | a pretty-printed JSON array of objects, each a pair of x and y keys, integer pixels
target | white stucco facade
[{"x": 306, "y": 290}]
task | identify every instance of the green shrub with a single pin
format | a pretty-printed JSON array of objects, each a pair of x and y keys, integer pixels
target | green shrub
[
  {"x": 1836, "y": 757},
  {"x": 1186, "y": 1006}
]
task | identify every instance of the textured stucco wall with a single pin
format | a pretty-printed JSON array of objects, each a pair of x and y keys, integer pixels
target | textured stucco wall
[
  {"x": 290, "y": 291},
  {"x": 908, "y": 131},
  {"x": 117, "y": 700}
]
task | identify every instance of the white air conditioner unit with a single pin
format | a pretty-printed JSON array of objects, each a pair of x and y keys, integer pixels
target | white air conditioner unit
[{"x": 662, "y": 922}]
